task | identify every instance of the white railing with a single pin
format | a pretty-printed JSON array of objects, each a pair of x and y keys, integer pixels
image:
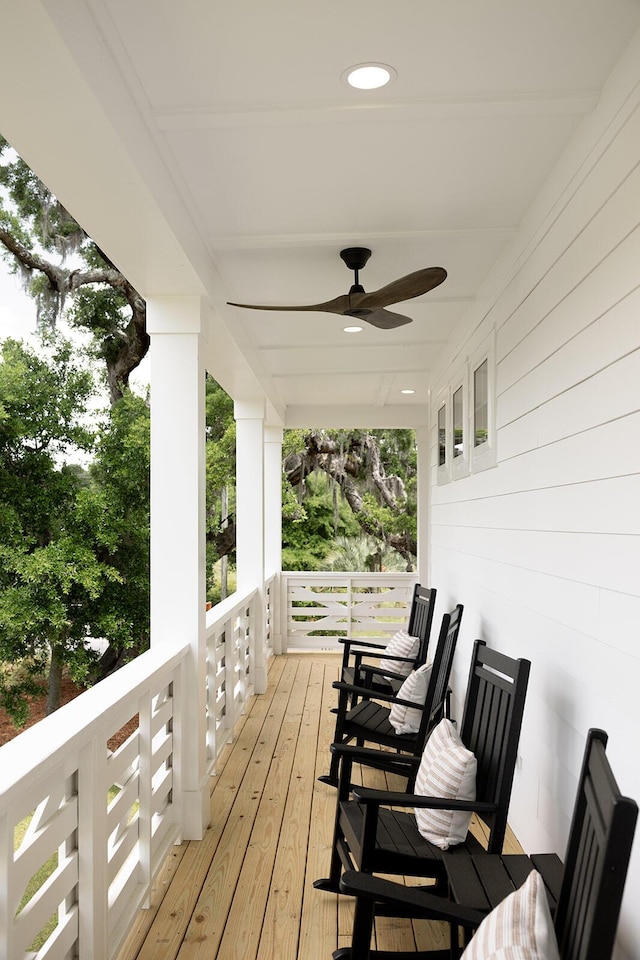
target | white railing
[
  {"x": 97, "y": 823},
  {"x": 319, "y": 608},
  {"x": 95, "y": 820},
  {"x": 230, "y": 637},
  {"x": 84, "y": 828},
  {"x": 271, "y": 616}
]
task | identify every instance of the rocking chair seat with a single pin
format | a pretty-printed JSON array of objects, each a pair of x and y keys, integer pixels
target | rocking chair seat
[
  {"x": 400, "y": 848},
  {"x": 370, "y": 721}
]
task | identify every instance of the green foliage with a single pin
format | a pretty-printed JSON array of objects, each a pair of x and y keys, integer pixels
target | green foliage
[
  {"x": 43, "y": 399},
  {"x": 98, "y": 309},
  {"x": 220, "y": 475},
  {"x": 46, "y": 219},
  {"x": 114, "y": 513},
  {"x": 306, "y": 544},
  {"x": 293, "y": 441},
  {"x": 363, "y": 553},
  {"x": 378, "y": 470},
  {"x": 74, "y": 554}
]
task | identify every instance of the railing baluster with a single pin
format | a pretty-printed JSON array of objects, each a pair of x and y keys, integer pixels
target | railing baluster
[{"x": 93, "y": 886}]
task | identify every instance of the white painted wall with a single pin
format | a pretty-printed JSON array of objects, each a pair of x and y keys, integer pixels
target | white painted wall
[{"x": 544, "y": 548}]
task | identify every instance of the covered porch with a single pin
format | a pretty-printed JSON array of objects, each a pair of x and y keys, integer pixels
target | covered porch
[
  {"x": 512, "y": 156},
  {"x": 246, "y": 889}
]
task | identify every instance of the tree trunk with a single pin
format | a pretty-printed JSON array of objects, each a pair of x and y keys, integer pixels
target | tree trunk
[
  {"x": 54, "y": 690},
  {"x": 224, "y": 560}
]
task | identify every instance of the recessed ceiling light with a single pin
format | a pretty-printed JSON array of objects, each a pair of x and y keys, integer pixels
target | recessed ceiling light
[
  {"x": 369, "y": 76},
  {"x": 352, "y": 329},
  {"x": 407, "y": 391}
]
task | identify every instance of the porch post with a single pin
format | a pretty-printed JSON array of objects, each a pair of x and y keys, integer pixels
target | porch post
[
  {"x": 273, "y": 522},
  {"x": 423, "y": 452},
  {"x": 250, "y": 524},
  {"x": 176, "y": 326}
]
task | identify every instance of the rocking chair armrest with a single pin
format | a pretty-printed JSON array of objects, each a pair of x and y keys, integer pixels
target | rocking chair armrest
[
  {"x": 366, "y": 693},
  {"x": 362, "y": 754},
  {"x": 394, "y": 798},
  {"x": 427, "y": 906},
  {"x": 368, "y": 644},
  {"x": 372, "y": 669}
]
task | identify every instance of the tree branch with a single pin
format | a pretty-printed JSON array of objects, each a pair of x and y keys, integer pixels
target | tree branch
[
  {"x": 123, "y": 350},
  {"x": 57, "y": 276},
  {"x": 344, "y": 466}
]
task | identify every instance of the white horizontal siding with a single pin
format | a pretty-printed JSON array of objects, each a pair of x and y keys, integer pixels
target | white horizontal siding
[{"x": 544, "y": 549}]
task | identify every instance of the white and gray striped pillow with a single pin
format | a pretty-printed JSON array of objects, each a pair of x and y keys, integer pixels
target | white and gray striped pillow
[
  {"x": 408, "y": 719},
  {"x": 447, "y": 769},
  {"x": 401, "y": 644},
  {"x": 519, "y": 928}
]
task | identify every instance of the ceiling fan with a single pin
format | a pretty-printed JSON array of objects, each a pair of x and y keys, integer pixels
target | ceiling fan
[{"x": 370, "y": 306}]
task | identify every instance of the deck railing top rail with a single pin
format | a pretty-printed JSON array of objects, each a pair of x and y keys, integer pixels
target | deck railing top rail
[{"x": 110, "y": 703}]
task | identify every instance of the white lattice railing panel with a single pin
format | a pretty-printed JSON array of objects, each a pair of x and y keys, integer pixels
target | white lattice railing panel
[
  {"x": 321, "y": 608},
  {"x": 230, "y": 633},
  {"x": 83, "y": 826},
  {"x": 270, "y": 615},
  {"x": 49, "y": 839}
]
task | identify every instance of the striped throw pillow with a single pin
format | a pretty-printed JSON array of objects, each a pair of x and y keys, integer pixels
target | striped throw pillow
[
  {"x": 519, "y": 928},
  {"x": 405, "y": 719},
  {"x": 400, "y": 645},
  {"x": 447, "y": 769}
]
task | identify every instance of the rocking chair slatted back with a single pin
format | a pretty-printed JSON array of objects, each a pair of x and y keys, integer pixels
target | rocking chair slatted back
[
  {"x": 596, "y": 860},
  {"x": 421, "y": 619},
  {"x": 490, "y": 729},
  {"x": 355, "y": 668}
]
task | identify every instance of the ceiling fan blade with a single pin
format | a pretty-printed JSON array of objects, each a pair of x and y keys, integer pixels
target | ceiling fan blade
[
  {"x": 406, "y": 288},
  {"x": 385, "y": 319},
  {"x": 339, "y": 305}
]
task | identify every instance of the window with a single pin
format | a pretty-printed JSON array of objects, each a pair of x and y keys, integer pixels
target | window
[
  {"x": 481, "y": 371},
  {"x": 443, "y": 438},
  {"x": 480, "y": 404},
  {"x": 442, "y": 435},
  {"x": 460, "y": 424},
  {"x": 465, "y": 417}
]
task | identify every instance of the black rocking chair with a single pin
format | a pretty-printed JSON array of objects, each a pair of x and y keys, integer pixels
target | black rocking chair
[
  {"x": 369, "y": 721},
  {"x": 357, "y": 671},
  {"x": 373, "y": 838},
  {"x": 584, "y": 895}
]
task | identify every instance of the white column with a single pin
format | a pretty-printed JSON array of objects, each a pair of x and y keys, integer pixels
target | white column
[
  {"x": 423, "y": 450},
  {"x": 249, "y": 417},
  {"x": 273, "y": 524},
  {"x": 272, "y": 500},
  {"x": 178, "y": 524}
]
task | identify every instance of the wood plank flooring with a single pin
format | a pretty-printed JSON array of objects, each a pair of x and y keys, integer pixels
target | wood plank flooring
[{"x": 245, "y": 892}]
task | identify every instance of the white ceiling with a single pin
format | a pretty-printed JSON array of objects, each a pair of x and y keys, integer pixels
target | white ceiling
[{"x": 266, "y": 164}]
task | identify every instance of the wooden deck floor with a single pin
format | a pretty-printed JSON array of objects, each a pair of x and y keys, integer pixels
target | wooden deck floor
[{"x": 246, "y": 890}]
